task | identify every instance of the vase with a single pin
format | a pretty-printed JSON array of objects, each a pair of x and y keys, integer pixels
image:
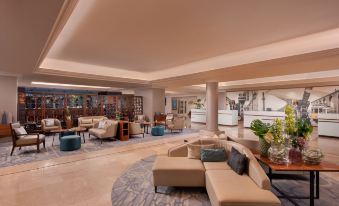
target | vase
[
  {"x": 263, "y": 147},
  {"x": 312, "y": 156},
  {"x": 294, "y": 155},
  {"x": 277, "y": 154}
]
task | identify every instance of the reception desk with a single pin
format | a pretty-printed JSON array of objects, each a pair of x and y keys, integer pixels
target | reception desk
[
  {"x": 328, "y": 125},
  {"x": 225, "y": 117},
  {"x": 265, "y": 116}
]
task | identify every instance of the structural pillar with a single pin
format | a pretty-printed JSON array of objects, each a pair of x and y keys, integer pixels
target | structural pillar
[{"x": 212, "y": 106}]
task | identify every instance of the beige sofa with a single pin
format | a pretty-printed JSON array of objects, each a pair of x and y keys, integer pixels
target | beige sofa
[
  {"x": 109, "y": 131},
  {"x": 223, "y": 185},
  {"x": 88, "y": 122},
  {"x": 56, "y": 124}
]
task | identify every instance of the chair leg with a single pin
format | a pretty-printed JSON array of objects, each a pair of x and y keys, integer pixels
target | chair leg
[
  {"x": 19, "y": 148},
  {"x": 44, "y": 144},
  {"x": 38, "y": 148},
  {"x": 12, "y": 150},
  {"x": 143, "y": 135},
  {"x": 101, "y": 141},
  {"x": 155, "y": 189}
]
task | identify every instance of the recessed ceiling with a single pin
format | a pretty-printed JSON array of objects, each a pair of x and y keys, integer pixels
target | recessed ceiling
[{"x": 149, "y": 36}]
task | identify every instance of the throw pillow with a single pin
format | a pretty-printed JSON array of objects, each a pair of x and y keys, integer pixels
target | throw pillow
[
  {"x": 194, "y": 150},
  {"x": 49, "y": 122},
  {"x": 237, "y": 161},
  {"x": 213, "y": 155},
  {"x": 102, "y": 124},
  {"x": 20, "y": 131}
]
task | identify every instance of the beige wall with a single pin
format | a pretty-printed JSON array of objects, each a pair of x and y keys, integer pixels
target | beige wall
[
  {"x": 154, "y": 101},
  {"x": 8, "y": 95}
]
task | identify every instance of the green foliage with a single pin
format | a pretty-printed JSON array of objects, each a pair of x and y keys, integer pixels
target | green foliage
[
  {"x": 277, "y": 131},
  {"x": 304, "y": 127},
  {"x": 259, "y": 128},
  {"x": 290, "y": 121}
]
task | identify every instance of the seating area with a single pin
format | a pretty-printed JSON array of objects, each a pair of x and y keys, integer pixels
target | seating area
[
  {"x": 224, "y": 186},
  {"x": 169, "y": 103}
]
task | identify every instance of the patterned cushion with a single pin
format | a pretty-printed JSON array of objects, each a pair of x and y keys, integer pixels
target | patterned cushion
[
  {"x": 213, "y": 155},
  {"x": 237, "y": 161}
]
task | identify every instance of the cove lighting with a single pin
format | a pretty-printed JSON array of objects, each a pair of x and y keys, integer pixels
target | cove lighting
[{"x": 69, "y": 85}]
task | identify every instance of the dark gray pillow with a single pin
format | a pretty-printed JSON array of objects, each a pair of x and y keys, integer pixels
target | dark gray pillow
[
  {"x": 237, "y": 161},
  {"x": 212, "y": 155}
]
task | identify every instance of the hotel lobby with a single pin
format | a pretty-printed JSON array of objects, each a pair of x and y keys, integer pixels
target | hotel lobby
[{"x": 192, "y": 103}]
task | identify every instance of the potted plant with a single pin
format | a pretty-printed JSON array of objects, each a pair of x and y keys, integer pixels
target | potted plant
[
  {"x": 277, "y": 151},
  {"x": 68, "y": 118},
  {"x": 260, "y": 129}
]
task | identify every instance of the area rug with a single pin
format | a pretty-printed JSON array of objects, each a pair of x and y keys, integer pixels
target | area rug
[
  {"x": 29, "y": 154},
  {"x": 135, "y": 187}
]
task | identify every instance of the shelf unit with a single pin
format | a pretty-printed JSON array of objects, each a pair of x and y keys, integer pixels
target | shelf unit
[{"x": 123, "y": 130}]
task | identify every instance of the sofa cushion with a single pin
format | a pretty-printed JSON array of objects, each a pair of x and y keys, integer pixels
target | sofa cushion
[
  {"x": 237, "y": 161},
  {"x": 97, "y": 132},
  {"x": 193, "y": 150},
  {"x": 216, "y": 166},
  {"x": 52, "y": 128},
  {"x": 225, "y": 187},
  {"x": 97, "y": 120},
  {"x": 212, "y": 155},
  {"x": 29, "y": 139},
  {"x": 86, "y": 121},
  {"x": 178, "y": 171}
]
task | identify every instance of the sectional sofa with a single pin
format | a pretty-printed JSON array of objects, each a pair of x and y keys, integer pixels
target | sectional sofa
[{"x": 223, "y": 185}]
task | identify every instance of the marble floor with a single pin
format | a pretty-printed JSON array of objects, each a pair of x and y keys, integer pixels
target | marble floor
[{"x": 87, "y": 178}]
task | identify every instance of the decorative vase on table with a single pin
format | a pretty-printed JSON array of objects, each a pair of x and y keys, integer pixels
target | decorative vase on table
[
  {"x": 294, "y": 155},
  {"x": 277, "y": 153},
  {"x": 263, "y": 147}
]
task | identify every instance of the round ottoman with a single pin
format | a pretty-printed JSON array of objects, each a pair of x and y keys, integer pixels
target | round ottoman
[
  {"x": 70, "y": 143},
  {"x": 158, "y": 131}
]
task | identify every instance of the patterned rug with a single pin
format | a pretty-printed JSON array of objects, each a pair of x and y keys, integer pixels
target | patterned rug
[
  {"x": 135, "y": 187},
  {"x": 29, "y": 154}
]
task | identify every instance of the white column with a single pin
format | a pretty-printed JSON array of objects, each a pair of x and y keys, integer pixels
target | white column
[{"x": 212, "y": 106}]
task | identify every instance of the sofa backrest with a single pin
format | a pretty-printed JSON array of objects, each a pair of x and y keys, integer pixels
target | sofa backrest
[{"x": 91, "y": 118}]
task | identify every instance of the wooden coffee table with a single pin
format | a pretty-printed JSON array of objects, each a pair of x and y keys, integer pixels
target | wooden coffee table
[
  {"x": 80, "y": 130},
  {"x": 313, "y": 170}
]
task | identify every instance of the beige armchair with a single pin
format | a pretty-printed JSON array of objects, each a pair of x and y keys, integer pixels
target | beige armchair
[
  {"x": 48, "y": 125},
  {"x": 20, "y": 138},
  {"x": 135, "y": 129},
  {"x": 178, "y": 123},
  {"x": 109, "y": 130}
]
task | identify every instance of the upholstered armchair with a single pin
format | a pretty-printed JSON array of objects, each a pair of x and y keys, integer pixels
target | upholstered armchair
[
  {"x": 48, "y": 125},
  {"x": 178, "y": 123},
  {"x": 135, "y": 129},
  {"x": 104, "y": 129},
  {"x": 20, "y": 138}
]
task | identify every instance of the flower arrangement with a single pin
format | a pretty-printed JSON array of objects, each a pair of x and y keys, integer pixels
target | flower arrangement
[{"x": 275, "y": 134}]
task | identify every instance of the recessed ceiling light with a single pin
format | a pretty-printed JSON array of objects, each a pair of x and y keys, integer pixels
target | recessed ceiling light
[{"x": 70, "y": 85}]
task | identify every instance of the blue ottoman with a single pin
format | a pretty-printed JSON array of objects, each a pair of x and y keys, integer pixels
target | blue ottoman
[
  {"x": 70, "y": 142},
  {"x": 158, "y": 131}
]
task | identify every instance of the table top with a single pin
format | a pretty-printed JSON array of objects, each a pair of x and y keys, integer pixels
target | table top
[
  {"x": 79, "y": 129},
  {"x": 324, "y": 166},
  {"x": 57, "y": 130}
]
